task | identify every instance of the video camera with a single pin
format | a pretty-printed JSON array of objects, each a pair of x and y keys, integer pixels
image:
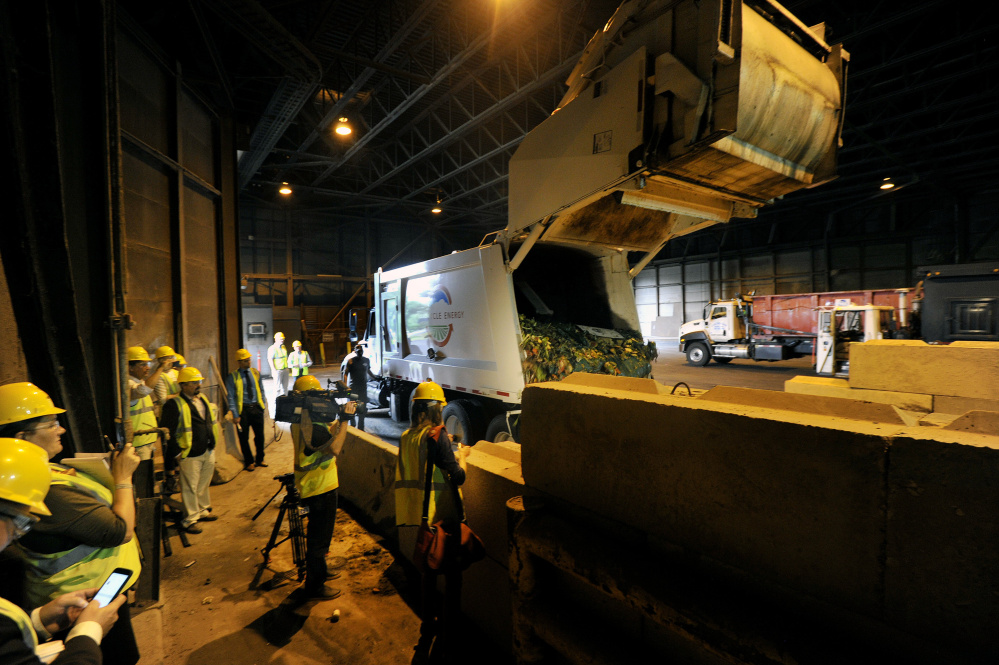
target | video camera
[{"x": 323, "y": 406}]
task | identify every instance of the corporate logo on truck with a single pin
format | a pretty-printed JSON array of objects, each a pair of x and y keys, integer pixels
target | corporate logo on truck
[{"x": 442, "y": 316}]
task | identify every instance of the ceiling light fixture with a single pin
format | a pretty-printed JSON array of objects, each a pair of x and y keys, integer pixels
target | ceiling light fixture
[
  {"x": 285, "y": 189},
  {"x": 342, "y": 128},
  {"x": 887, "y": 184},
  {"x": 437, "y": 208}
]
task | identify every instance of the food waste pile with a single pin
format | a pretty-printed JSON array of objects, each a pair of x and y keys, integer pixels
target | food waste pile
[{"x": 553, "y": 351}]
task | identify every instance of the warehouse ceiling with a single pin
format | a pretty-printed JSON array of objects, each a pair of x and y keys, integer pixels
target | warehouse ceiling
[{"x": 439, "y": 93}]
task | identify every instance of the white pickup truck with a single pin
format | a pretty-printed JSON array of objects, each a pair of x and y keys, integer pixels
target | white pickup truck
[{"x": 679, "y": 115}]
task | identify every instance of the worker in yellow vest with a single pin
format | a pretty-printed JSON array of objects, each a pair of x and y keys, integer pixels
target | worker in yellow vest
[
  {"x": 277, "y": 358},
  {"x": 427, "y": 440},
  {"x": 316, "y": 447},
  {"x": 299, "y": 361},
  {"x": 194, "y": 432},
  {"x": 141, "y": 409},
  {"x": 91, "y": 531},
  {"x": 166, "y": 388},
  {"x": 24, "y": 483},
  {"x": 246, "y": 402}
]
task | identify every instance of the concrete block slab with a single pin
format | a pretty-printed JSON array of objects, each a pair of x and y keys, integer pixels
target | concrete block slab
[
  {"x": 979, "y": 422},
  {"x": 650, "y": 386},
  {"x": 914, "y": 366},
  {"x": 832, "y": 387},
  {"x": 961, "y": 405},
  {"x": 942, "y": 528},
  {"x": 838, "y": 407},
  {"x": 782, "y": 495},
  {"x": 366, "y": 471}
]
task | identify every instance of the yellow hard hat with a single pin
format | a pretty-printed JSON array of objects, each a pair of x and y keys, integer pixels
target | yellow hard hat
[
  {"x": 180, "y": 360},
  {"x": 307, "y": 382},
  {"x": 296, "y": 343},
  {"x": 24, "y": 474},
  {"x": 243, "y": 354},
  {"x": 278, "y": 335},
  {"x": 431, "y": 391},
  {"x": 137, "y": 353},
  {"x": 164, "y": 351},
  {"x": 189, "y": 374},
  {"x": 21, "y": 401}
]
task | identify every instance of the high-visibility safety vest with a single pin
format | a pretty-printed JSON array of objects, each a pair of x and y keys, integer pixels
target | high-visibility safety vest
[
  {"x": 316, "y": 473},
  {"x": 279, "y": 354},
  {"x": 296, "y": 361},
  {"x": 23, "y": 621},
  {"x": 410, "y": 480},
  {"x": 183, "y": 433},
  {"x": 237, "y": 381},
  {"x": 84, "y": 566},
  {"x": 169, "y": 377},
  {"x": 143, "y": 416}
]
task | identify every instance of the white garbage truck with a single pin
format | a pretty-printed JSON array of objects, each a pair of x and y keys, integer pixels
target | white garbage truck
[{"x": 680, "y": 114}]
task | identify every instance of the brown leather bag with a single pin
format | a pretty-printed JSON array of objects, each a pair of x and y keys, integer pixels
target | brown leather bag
[{"x": 445, "y": 546}]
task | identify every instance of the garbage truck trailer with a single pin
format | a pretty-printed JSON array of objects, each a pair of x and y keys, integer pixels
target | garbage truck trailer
[{"x": 679, "y": 115}]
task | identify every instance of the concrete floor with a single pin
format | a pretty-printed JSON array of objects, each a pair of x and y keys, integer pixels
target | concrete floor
[{"x": 218, "y": 605}]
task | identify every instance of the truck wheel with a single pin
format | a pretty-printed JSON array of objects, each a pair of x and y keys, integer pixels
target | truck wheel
[
  {"x": 384, "y": 395},
  {"x": 697, "y": 354},
  {"x": 399, "y": 406},
  {"x": 723, "y": 361},
  {"x": 464, "y": 417},
  {"x": 499, "y": 431}
]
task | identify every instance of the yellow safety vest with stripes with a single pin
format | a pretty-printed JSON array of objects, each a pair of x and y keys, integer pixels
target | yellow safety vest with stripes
[
  {"x": 143, "y": 417},
  {"x": 237, "y": 381},
  {"x": 183, "y": 433},
  {"x": 169, "y": 377},
  {"x": 316, "y": 473},
  {"x": 84, "y": 566},
  {"x": 23, "y": 621},
  {"x": 296, "y": 361},
  {"x": 410, "y": 479},
  {"x": 279, "y": 354}
]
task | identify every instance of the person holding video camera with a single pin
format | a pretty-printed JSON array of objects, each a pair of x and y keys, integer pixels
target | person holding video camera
[
  {"x": 91, "y": 531},
  {"x": 316, "y": 448},
  {"x": 24, "y": 484}
]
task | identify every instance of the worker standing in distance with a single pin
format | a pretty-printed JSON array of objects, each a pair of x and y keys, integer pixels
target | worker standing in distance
[
  {"x": 141, "y": 409},
  {"x": 358, "y": 370},
  {"x": 194, "y": 430},
  {"x": 246, "y": 402},
  {"x": 166, "y": 388},
  {"x": 24, "y": 484},
  {"x": 317, "y": 483},
  {"x": 299, "y": 361},
  {"x": 277, "y": 358}
]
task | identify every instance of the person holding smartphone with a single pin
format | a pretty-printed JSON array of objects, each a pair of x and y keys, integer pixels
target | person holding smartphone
[
  {"x": 91, "y": 529},
  {"x": 24, "y": 484}
]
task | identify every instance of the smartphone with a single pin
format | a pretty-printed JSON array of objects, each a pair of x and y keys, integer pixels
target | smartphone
[{"x": 112, "y": 586}]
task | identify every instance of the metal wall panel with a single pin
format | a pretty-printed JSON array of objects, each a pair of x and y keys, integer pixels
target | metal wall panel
[
  {"x": 200, "y": 274},
  {"x": 149, "y": 298},
  {"x": 145, "y": 97}
]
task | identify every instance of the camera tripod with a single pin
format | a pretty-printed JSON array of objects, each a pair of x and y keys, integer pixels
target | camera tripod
[{"x": 290, "y": 504}]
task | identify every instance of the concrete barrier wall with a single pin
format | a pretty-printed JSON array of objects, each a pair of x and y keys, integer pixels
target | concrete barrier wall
[
  {"x": 366, "y": 469},
  {"x": 959, "y": 369},
  {"x": 892, "y": 522}
]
